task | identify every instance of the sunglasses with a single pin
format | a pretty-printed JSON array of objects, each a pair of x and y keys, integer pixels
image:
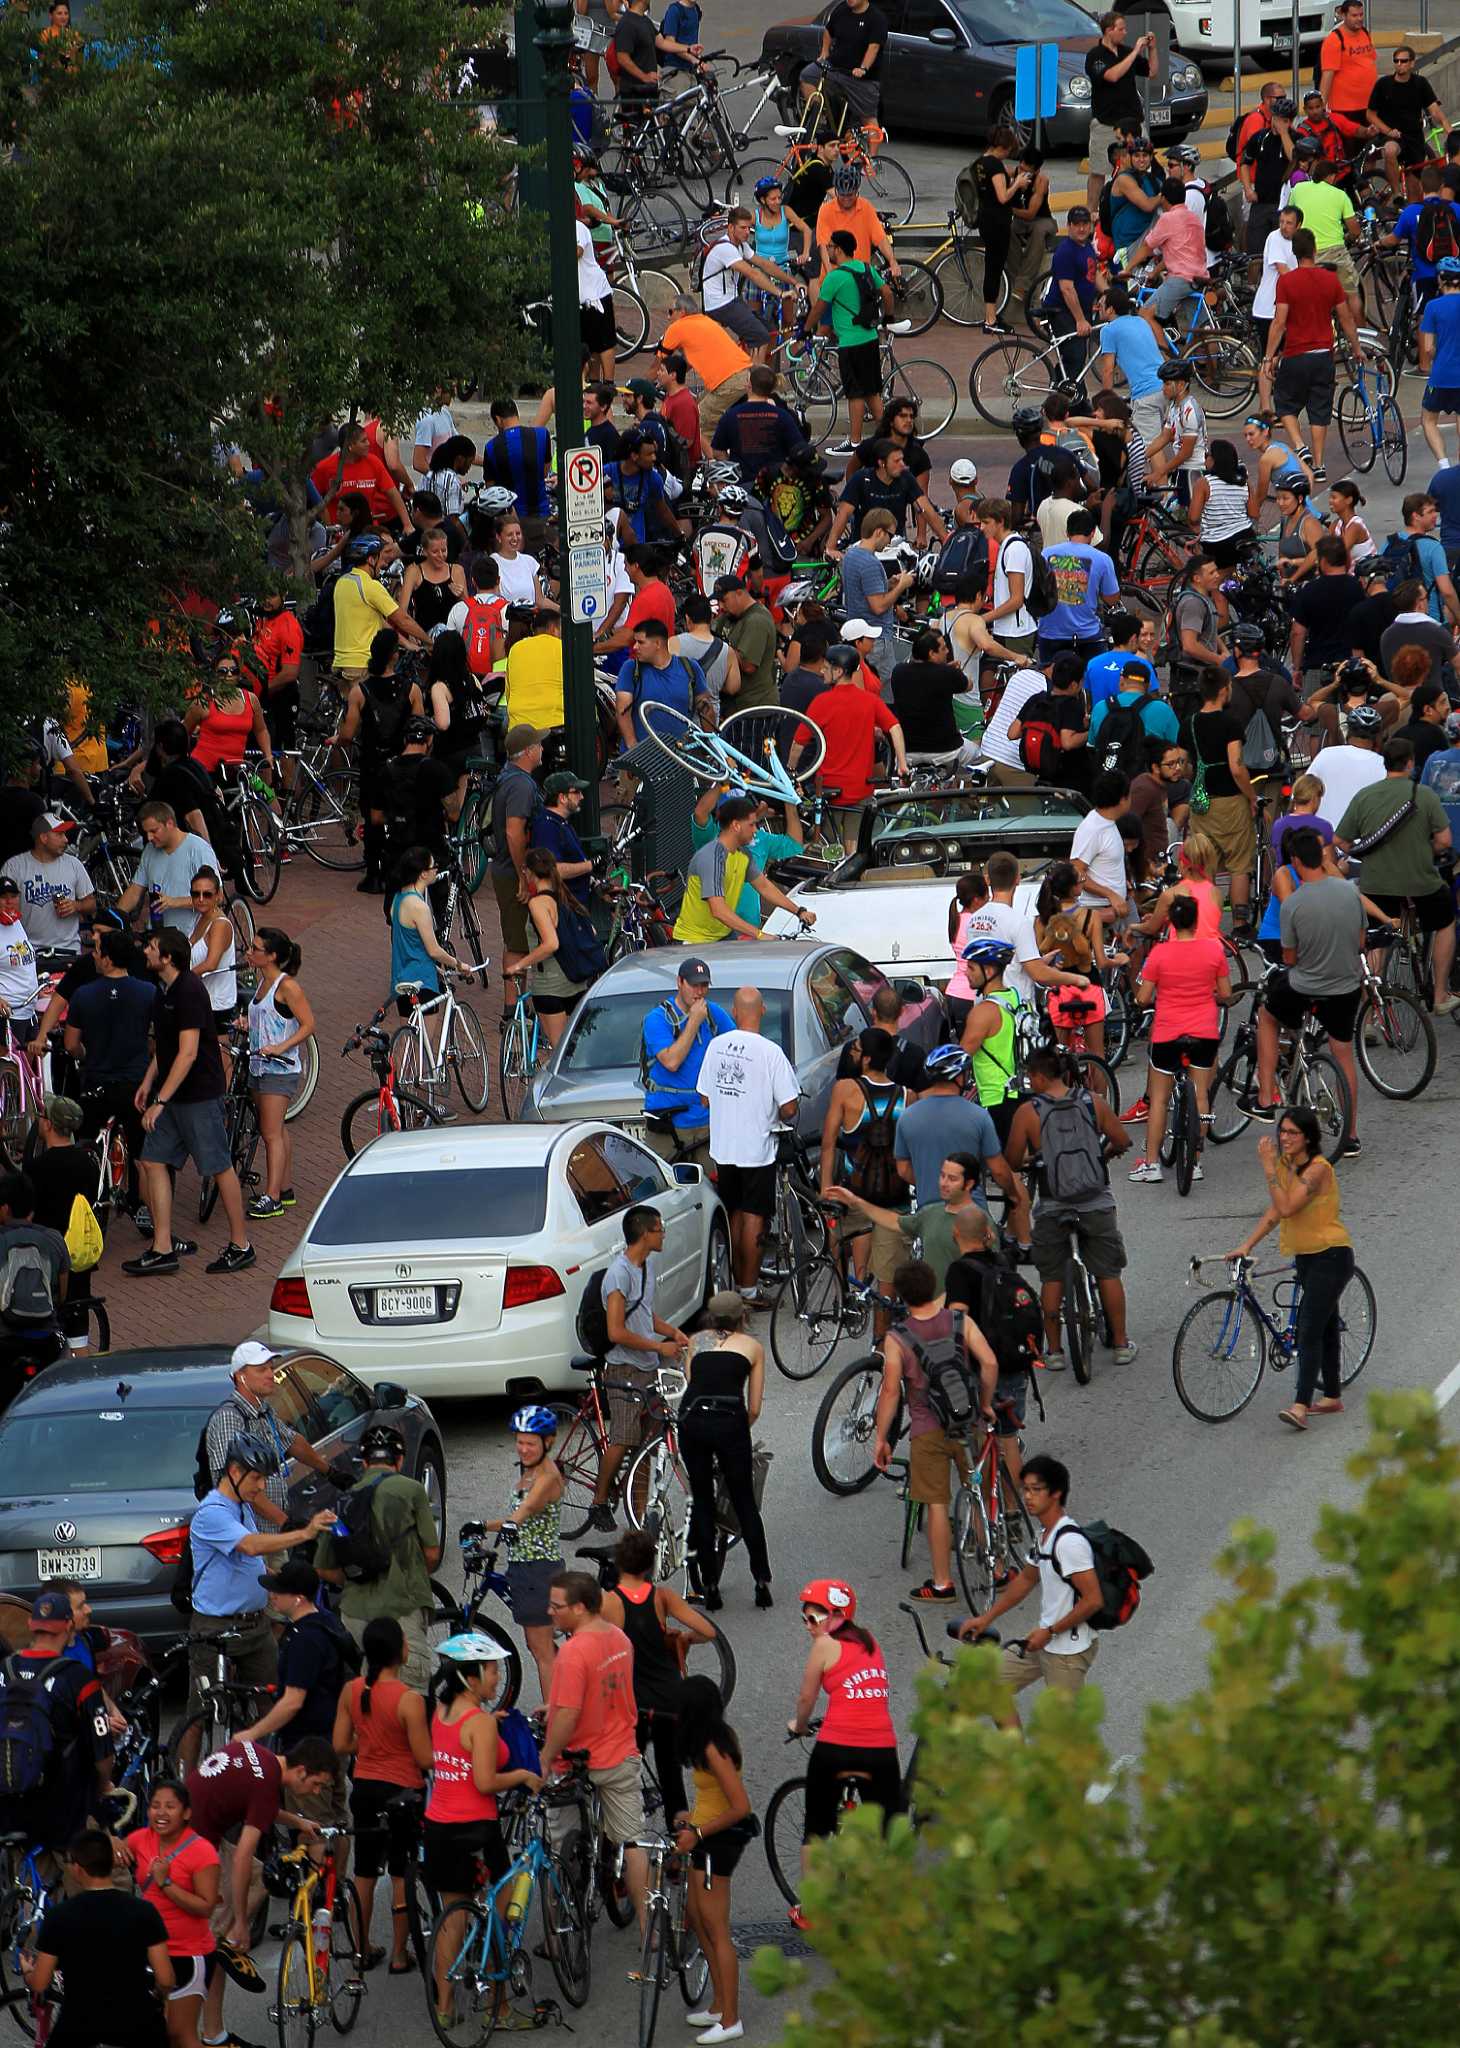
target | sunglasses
[
  {"x": 203, "y": 895},
  {"x": 814, "y": 1618}
]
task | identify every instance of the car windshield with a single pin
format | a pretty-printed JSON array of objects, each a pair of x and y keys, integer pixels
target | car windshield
[
  {"x": 1025, "y": 21},
  {"x": 436, "y": 1205},
  {"x": 927, "y": 813},
  {"x": 115, "y": 1450},
  {"x": 608, "y": 1028}
]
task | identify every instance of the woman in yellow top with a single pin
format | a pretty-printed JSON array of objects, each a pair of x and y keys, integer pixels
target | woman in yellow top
[
  {"x": 1303, "y": 1204},
  {"x": 713, "y": 1834}
]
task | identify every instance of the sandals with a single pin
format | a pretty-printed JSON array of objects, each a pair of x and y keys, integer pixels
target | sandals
[
  {"x": 1329, "y": 1405},
  {"x": 1292, "y": 1418}
]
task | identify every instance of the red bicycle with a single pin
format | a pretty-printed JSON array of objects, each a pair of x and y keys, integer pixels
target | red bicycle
[{"x": 385, "y": 1107}]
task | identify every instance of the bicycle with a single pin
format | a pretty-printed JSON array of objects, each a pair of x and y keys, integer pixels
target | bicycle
[
  {"x": 885, "y": 183},
  {"x": 385, "y": 1107},
  {"x": 1225, "y": 1339},
  {"x": 1370, "y": 426},
  {"x": 712, "y": 1657},
  {"x": 1307, "y": 1076},
  {"x": 670, "y": 1946},
  {"x": 1181, "y": 1144},
  {"x": 227, "y": 1705},
  {"x": 640, "y": 917},
  {"x": 819, "y": 1302},
  {"x": 519, "y": 1054},
  {"x": 845, "y": 1429},
  {"x": 460, "y": 1050},
  {"x": 460, "y": 927},
  {"x": 452, "y": 1616},
  {"x": 1394, "y": 1038},
  {"x": 711, "y": 758},
  {"x": 321, "y": 807},
  {"x": 468, "y": 835},
  {"x": 25, "y": 1896},
  {"x": 993, "y": 1536},
  {"x": 322, "y": 1962},
  {"x": 257, "y": 828},
  {"x": 240, "y": 1123}
]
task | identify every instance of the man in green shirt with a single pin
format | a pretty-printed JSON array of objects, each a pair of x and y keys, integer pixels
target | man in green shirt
[
  {"x": 402, "y": 1523},
  {"x": 859, "y": 355},
  {"x": 1329, "y": 212},
  {"x": 1401, "y": 868},
  {"x": 958, "y": 1176},
  {"x": 748, "y": 627},
  {"x": 766, "y": 846}
]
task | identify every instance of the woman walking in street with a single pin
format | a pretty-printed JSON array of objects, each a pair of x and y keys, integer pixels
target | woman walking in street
[
  {"x": 280, "y": 1020},
  {"x": 654, "y": 1618},
  {"x": 720, "y": 1406},
  {"x": 713, "y": 1834},
  {"x": 554, "y": 993},
  {"x": 1303, "y": 1207},
  {"x": 532, "y": 1530},
  {"x": 381, "y": 1722}
]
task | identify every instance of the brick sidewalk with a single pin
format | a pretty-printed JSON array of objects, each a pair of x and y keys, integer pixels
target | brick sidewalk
[{"x": 345, "y": 970}]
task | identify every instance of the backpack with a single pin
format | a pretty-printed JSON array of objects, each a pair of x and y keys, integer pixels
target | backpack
[
  {"x": 1218, "y": 220},
  {"x": 383, "y": 718},
  {"x": 1122, "y": 741},
  {"x": 964, "y": 553},
  {"x": 1436, "y": 235},
  {"x": 1120, "y": 1565},
  {"x": 26, "y": 1295},
  {"x": 483, "y": 615},
  {"x": 1106, "y": 218},
  {"x": 875, "y": 1176},
  {"x": 1072, "y": 1165},
  {"x": 1399, "y": 561},
  {"x": 869, "y": 298},
  {"x": 694, "y": 673},
  {"x": 1010, "y": 1318},
  {"x": 27, "y": 1736},
  {"x": 1039, "y": 748},
  {"x": 674, "y": 453},
  {"x": 1230, "y": 145},
  {"x": 592, "y": 1323},
  {"x": 965, "y": 195},
  {"x": 1260, "y": 750},
  {"x": 1043, "y": 594},
  {"x": 349, "y": 1659},
  {"x": 580, "y": 950},
  {"x": 950, "y": 1390},
  {"x": 84, "y": 1244},
  {"x": 318, "y": 619},
  {"x": 515, "y": 1730},
  {"x": 360, "y": 1552}
]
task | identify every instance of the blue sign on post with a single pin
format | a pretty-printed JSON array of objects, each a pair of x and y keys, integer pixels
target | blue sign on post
[{"x": 1036, "y": 81}]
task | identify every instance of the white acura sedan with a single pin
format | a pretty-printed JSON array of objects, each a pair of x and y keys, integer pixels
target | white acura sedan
[{"x": 453, "y": 1262}]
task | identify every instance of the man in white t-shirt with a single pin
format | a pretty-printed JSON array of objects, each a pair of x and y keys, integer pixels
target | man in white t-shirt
[
  {"x": 725, "y": 265},
  {"x": 1062, "y": 1649},
  {"x": 1344, "y": 771},
  {"x": 1098, "y": 851},
  {"x": 1000, "y": 918},
  {"x": 750, "y": 1086},
  {"x": 1012, "y": 568},
  {"x": 1277, "y": 256}
]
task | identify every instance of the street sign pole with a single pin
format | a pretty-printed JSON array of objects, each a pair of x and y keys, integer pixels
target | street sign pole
[{"x": 1036, "y": 85}]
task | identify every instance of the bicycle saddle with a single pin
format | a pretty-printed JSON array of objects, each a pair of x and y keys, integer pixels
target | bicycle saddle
[
  {"x": 779, "y": 130},
  {"x": 582, "y": 1362},
  {"x": 899, "y": 327}
]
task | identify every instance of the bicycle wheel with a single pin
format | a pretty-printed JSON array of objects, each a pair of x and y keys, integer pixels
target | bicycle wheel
[
  {"x": 918, "y": 296},
  {"x": 347, "y": 1961},
  {"x": 962, "y": 291},
  {"x": 655, "y": 225},
  {"x": 262, "y": 849},
  {"x": 16, "y": 1115},
  {"x": 303, "y": 1095},
  {"x": 99, "y": 1338},
  {"x": 1355, "y": 430},
  {"x": 655, "y": 1488},
  {"x": 1393, "y": 442},
  {"x": 294, "y": 2014},
  {"x": 806, "y": 1321},
  {"x": 1395, "y": 1043},
  {"x": 613, "y": 1889},
  {"x": 517, "y": 1062},
  {"x": 1225, "y": 366},
  {"x": 930, "y": 386},
  {"x": 1186, "y": 1128},
  {"x": 973, "y": 1552},
  {"x": 1236, "y": 1078},
  {"x": 844, "y": 1431},
  {"x": 368, "y": 1117},
  {"x": 687, "y": 744},
  {"x": 1099, "y": 1077},
  {"x": 327, "y": 820},
  {"x": 565, "y": 1929},
  {"x": 469, "y": 841},
  {"x": 912, "y": 1523},
  {"x": 578, "y": 1459},
  {"x": 818, "y": 399},
  {"x": 767, "y": 732},
  {"x": 890, "y": 189},
  {"x": 692, "y": 1965},
  {"x": 461, "y": 1988},
  {"x": 468, "y": 1059},
  {"x": 405, "y": 1056},
  {"x": 785, "y": 1825},
  {"x": 422, "y": 1906},
  {"x": 1218, "y": 1356},
  {"x": 240, "y": 916},
  {"x": 653, "y": 1970},
  {"x": 1078, "y": 1311},
  {"x": 1016, "y": 1540},
  {"x": 1358, "y": 1320},
  {"x": 1010, "y": 375},
  {"x": 447, "y": 1619},
  {"x": 1325, "y": 1091},
  {"x": 465, "y": 936},
  {"x": 630, "y": 320}
]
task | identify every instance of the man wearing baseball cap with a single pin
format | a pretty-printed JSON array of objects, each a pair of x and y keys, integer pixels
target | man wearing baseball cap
[
  {"x": 316, "y": 1661},
  {"x": 552, "y": 826},
  {"x": 863, "y": 636},
  {"x": 677, "y": 1035},
  {"x": 55, "y": 890},
  {"x": 515, "y": 804},
  {"x": 247, "y": 1410},
  {"x": 76, "y": 1775}
]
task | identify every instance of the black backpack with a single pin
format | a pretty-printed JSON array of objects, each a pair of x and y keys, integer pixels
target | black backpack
[
  {"x": 1436, "y": 236},
  {"x": 592, "y": 1323},
  {"x": 1232, "y": 133},
  {"x": 1218, "y": 228},
  {"x": 383, "y": 716},
  {"x": 347, "y": 1653},
  {"x": 875, "y": 1176},
  {"x": 27, "y": 1735},
  {"x": 950, "y": 1390},
  {"x": 317, "y": 622},
  {"x": 966, "y": 195},
  {"x": 1120, "y": 1565},
  {"x": 1043, "y": 594},
  {"x": 360, "y": 1551},
  {"x": 1122, "y": 741},
  {"x": 869, "y": 298},
  {"x": 674, "y": 454},
  {"x": 1399, "y": 561},
  {"x": 1105, "y": 213}
]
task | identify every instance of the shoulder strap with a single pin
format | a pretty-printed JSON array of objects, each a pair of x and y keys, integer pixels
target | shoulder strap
[{"x": 1064, "y": 1530}]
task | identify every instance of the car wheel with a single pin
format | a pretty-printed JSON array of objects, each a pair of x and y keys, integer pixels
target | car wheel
[
  {"x": 719, "y": 1272},
  {"x": 431, "y": 1471}
]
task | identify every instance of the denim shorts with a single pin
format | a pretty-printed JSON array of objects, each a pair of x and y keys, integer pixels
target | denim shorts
[{"x": 190, "y": 1130}]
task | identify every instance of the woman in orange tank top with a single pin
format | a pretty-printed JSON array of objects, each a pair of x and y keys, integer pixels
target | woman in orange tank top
[
  {"x": 224, "y": 722},
  {"x": 381, "y": 1721}
]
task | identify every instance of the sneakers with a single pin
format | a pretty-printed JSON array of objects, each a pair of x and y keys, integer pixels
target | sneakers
[
  {"x": 997, "y": 327},
  {"x": 933, "y": 1593},
  {"x": 1196, "y": 1172},
  {"x": 1260, "y": 1112},
  {"x": 185, "y": 1246},
  {"x": 1149, "y": 1172},
  {"x": 600, "y": 1516},
  {"x": 1125, "y": 1353},
  {"x": 263, "y": 1208},
  {"x": 286, "y": 1198},
  {"x": 152, "y": 1261},
  {"x": 1352, "y": 1146},
  {"x": 702, "y": 2019},
  {"x": 1136, "y": 1114},
  {"x": 797, "y": 1918},
  {"x": 1446, "y": 1004},
  {"x": 842, "y": 447},
  {"x": 721, "y": 2032},
  {"x": 234, "y": 1258}
]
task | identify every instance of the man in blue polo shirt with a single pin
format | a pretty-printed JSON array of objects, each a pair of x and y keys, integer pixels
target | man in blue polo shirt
[
  {"x": 677, "y": 1035},
  {"x": 1128, "y": 345},
  {"x": 1085, "y": 579},
  {"x": 1103, "y": 674}
]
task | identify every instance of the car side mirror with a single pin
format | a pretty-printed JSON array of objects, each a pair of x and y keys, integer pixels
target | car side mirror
[
  {"x": 688, "y": 1174},
  {"x": 944, "y": 38},
  {"x": 390, "y": 1394}
]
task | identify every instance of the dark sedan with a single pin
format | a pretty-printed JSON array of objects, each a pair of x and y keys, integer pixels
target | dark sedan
[
  {"x": 949, "y": 68},
  {"x": 98, "y": 1457}
]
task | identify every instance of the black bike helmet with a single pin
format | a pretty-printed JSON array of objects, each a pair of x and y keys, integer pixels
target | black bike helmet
[
  {"x": 382, "y": 1444},
  {"x": 1246, "y": 634},
  {"x": 1365, "y": 720},
  {"x": 253, "y": 1454}
]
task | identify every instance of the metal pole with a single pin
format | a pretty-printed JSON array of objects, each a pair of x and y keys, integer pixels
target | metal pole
[
  {"x": 1297, "y": 94},
  {"x": 1237, "y": 62},
  {"x": 555, "y": 42},
  {"x": 531, "y": 111}
]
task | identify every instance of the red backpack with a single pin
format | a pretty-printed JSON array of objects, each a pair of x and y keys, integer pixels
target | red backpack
[
  {"x": 1039, "y": 749},
  {"x": 483, "y": 617}
]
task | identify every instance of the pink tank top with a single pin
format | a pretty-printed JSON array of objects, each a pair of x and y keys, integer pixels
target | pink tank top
[
  {"x": 454, "y": 1796},
  {"x": 1208, "y": 906},
  {"x": 857, "y": 1714},
  {"x": 223, "y": 736},
  {"x": 958, "y": 986}
]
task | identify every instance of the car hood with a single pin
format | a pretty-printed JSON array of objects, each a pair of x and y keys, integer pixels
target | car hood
[{"x": 611, "y": 1093}]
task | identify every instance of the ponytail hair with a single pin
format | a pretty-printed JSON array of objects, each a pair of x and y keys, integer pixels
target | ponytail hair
[
  {"x": 384, "y": 1644},
  {"x": 849, "y": 1632},
  {"x": 969, "y": 891},
  {"x": 1060, "y": 880},
  {"x": 280, "y": 946}
]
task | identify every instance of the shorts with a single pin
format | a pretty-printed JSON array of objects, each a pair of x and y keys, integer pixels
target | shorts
[
  {"x": 381, "y": 1841},
  {"x": 1071, "y": 1007},
  {"x": 281, "y": 714},
  {"x": 625, "y": 1414},
  {"x": 1341, "y": 263},
  {"x": 555, "y": 1006},
  {"x": 1170, "y": 295},
  {"x": 597, "y": 327},
  {"x": 190, "y": 1130},
  {"x": 846, "y": 821},
  {"x": 1062, "y": 1671},
  {"x": 255, "y": 1661},
  {"x": 929, "y": 1459},
  {"x": 1228, "y": 551},
  {"x": 719, "y": 1854},
  {"x": 511, "y": 914},
  {"x": 620, "y": 1787},
  {"x": 860, "y": 369},
  {"x": 527, "y": 1590},
  {"x": 1014, "y": 1392},
  {"x": 1337, "y": 1014},
  {"x": 453, "y": 1848},
  {"x": 747, "y": 1190},
  {"x": 1305, "y": 381},
  {"x": 889, "y": 1251},
  {"x": 1228, "y": 823},
  {"x": 738, "y": 319},
  {"x": 1149, "y": 415},
  {"x": 1097, "y": 1231},
  {"x": 286, "y": 1085},
  {"x": 1412, "y": 151},
  {"x": 1102, "y": 141},
  {"x": 828, "y": 1763},
  {"x": 1165, "y": 1055},
  {"x": 1435, "y": 911},
  {"x": 1440, "y": 398},
  {"x": 1001, "y": 1116},
  {"x": 192, "y": 1975}
]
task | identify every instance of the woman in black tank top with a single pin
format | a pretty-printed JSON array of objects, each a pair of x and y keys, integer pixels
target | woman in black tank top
[
  {"x": 722, "y": 1400},
  {"x": 433, "y": 585},
  {"x": 458, "y": 709},
  {"x": 644, "y": 1611}
]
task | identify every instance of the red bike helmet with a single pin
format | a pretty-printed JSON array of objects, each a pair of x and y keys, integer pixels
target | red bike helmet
[{"x": 835, "y": 1595}]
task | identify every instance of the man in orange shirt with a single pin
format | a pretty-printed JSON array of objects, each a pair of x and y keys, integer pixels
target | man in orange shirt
[
  {"x": 356, "y": 468},
  {"x": 845, "y": 208},
  {"x": 278, "y": 649},
  {"x": 1350, "y": 70},
  {"x": 591, "y": 1705},
  {"x": 716, "y": 358}
]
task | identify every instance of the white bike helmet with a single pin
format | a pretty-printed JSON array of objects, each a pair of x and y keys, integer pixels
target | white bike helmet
[{"x": 496, "y": 498}]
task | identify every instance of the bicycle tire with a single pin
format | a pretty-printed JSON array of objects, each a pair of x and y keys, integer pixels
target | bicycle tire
[
  {"x": 204, "y": 1721},
  {"x": 654, "y": 224},
  {"x": 692, "y": 1967},
  {"x": 303, "y": 1095},
  {"x": 294, "y": 2015},
  {"x": 1079, "y": 1320},
  {"x": 1393, "y": 441},
  {"x": 448, "y": 1618},
  {"x": 963, "y": 300},
  {"x": 565, "y": 1930},
  {"x": 405, "y": 1058},
  {"x": 518, "y": 1058},
  {"x": 1016, "y": 1540},
  {"x": 474, "y": 1994},
  {"x": 96, "y": 1311},
  {"x": 1236, "y": 1077},
  {"x": 930, "y": 386},
  {"x": 422, "y": 1906},
  {"x": 578, "y": 1459},
  {"x": 809, "y": 1304},
  {"x": 1355, "y": 431},
  {"x": 262, "y": 849},
  {"x": 240, "y": 916},
  {"x": 1225, "y": 366},
  {"x": 744, "y": 177},
  {"x": 1364, "y": 1331},
  {"x": 363, "y": 1119},
  {"x": 1120, "y": 1019},
  {"x": 467, "y": 1058},
  {"x": 785, "y": 1825},
  {"x": 1326, "y": 1093},
  {"x": 469, "y": 844},
  {"x": 327, "y": 821},
  {"x": 653, "y": 1970},
  {"x": 683, "y": 740},
  {"x": 618, "y": 1904},
  {"x": 1099, "y": 1078},
  {"x": 763, "y": 730},
  {"x": 918, "y": 298},
  {"x": 890, "y": 189},
  {"x": 347, "y": 1948},
  {"x": 841, "y": 1449},
  {"x": 207, "y": 1184},
  {"x": 912, "y": 1523},
  {"x": 973, "y": 1550},
  {"x": 638, "y": 1480},
  {"x": 630, "y": 320},
  {"x": 1188, "y": 1137},
  {"x": 1240, "y": 1364},
  {"x": 1401, "y": 1022},
  {"x": 465, "y": 936},
  {"x": 1011, "y": 374}
]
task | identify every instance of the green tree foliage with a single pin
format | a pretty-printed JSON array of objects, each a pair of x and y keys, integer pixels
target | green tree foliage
[
  {"x": 1285, "y": 1874},
  {"x": 226, "y": 223}
]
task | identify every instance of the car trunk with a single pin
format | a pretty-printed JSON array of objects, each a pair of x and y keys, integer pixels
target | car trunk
[
  {"x": 405, "y": 1289},
  {"x": 97, "y": 1543}
]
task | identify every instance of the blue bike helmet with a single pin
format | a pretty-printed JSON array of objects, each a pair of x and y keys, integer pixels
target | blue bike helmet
[
  {"x": 1448, "y": 266},
  {"x": 364, "y": 548},
  {"x": 764, "y": 185},
  {"x": 947, "y": 1063},
  {"x": 995, "y": 953},
  {"x": 534, "y": 1422}
]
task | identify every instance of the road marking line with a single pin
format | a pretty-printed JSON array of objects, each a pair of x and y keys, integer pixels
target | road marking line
[{"x": 1448, "y": 1388}]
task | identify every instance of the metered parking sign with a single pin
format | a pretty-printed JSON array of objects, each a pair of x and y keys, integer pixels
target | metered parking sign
[{"x": 587, "y": 583}]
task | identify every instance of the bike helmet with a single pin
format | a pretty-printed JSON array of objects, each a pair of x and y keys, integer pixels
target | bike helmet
[
  {"x": 382, "y": 1444},
  {"x": 1175, "y": 371},
  {"x": 1292, "y": 480},
  {"x": 734, "y": 498},
  {"x": 716, "y": 475},
  {"x": 253, "y": 1454},
  {"x": 1028, "y": 419},
  {"x": 1284, "y": 109},
  {"x": 364, "y": 548},
  {"x": 1306, "y": 146},
  {"x": 534, "y": 1422},
  {"x": 1452, "y": 727},
  {"x": 1246, "y": 634},
  {"x": 995, "y": 953},
  {"x": 848, "y": 178},
  {"x": 1364, "y": 719},
  {"x": 835, "y": 1595},
  {"x": 1183, "y": 153},
  {"x": 471, "y": 1647},
  {"x": 496, "y": 499},
  {"x": 947, "y": 1063},
  {"x": 1448, "y": 266},
  {"x": 764, "y": 185}
]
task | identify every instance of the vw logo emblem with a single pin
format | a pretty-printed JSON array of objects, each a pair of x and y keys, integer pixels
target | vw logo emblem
[
  {"x": 403, "y": 1272},
  {"x": 65, "y": 1532}
]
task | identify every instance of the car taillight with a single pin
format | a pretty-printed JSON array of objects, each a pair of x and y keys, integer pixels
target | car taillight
[
  {"x": 530, "y": 1283},
  {"x": 290, "y": 1297},
  {"x": 166, "y": 1545}
]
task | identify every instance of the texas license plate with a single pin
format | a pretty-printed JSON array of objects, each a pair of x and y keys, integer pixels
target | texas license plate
[
  {"x": 67, "y": 1564},
  {"x": 1160, "y": 117},
  {"x": 404, "y": 1304},
  {"x": 1281, "y": 45}
]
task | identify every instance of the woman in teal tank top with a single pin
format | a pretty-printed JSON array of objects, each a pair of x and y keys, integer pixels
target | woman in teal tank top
[{"x": 415, "y": 952}]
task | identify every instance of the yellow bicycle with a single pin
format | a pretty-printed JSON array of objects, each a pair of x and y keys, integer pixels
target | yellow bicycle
[{"x": 322, "y": 1962}]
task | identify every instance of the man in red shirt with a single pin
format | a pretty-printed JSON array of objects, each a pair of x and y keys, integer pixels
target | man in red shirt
[
  {"x": 1309, "y": 299},
  {"x": 851, "y": 718},
  {"x": 652, "y": 599},
  {"x": 363, "y": 471},
  {"x": 590, "y": 1705},
  {"x": 278, "y": 649},
  {"x": 679, "y": 404}
]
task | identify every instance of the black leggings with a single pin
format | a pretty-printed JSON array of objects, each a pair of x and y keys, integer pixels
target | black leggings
[
  {"x": 659, "y": 1733},
  {"x": 1323, "y": 1276},
  {"x": 705, "y": 1439},
  {"x": 828, "y": 1764},
  {"x": 996, "y": 230}
]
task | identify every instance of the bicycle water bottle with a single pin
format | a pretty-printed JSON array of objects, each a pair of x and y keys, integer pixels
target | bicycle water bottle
[
  {"x": 518, "y": 1895},
  {"x": 321, "y": 1920}
]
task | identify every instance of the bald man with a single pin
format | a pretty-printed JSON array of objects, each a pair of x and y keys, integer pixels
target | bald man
[{"x": 750, "y": 1086}]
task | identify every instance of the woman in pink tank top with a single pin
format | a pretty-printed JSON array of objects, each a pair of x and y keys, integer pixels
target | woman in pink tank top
[
  {"x": 856, "y": 1734},
  {"x": 381, "y": 1722},
  {"x": 1199, "y": 862},
  {"x": 971, "y": 892}
]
